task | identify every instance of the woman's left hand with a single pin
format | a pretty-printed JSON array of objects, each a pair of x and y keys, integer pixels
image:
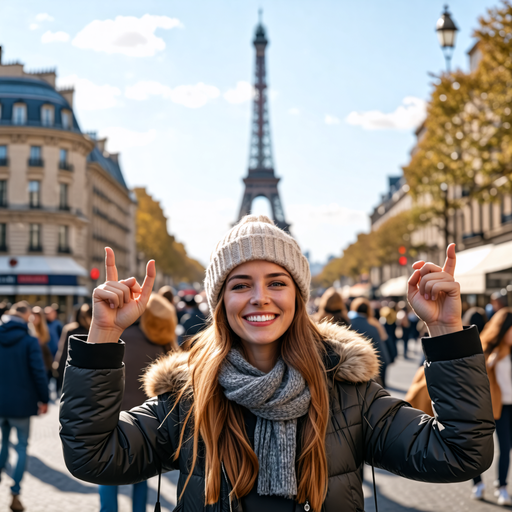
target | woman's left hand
[{"x": 435, "y": 296}]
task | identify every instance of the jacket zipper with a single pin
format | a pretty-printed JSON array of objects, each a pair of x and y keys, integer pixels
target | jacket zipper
[{"x": 229, "y": 493}]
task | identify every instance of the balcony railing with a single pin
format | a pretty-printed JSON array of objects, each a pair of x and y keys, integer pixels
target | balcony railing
[
  {"x": 65, "y": 166},
  {"x": 64, "y": 250},
  {"x": 4, "y": 248},
  {"x": 64, "y": 208},
  {"x": 36, "y": 162},
  {"x": 35, "y": 248},
  {"x": 4, "y": 162}
]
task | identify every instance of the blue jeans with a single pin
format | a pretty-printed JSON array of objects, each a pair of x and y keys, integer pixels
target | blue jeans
[
  {"x": 108, "y": 497},
  {"x": 22, "y": 426}
]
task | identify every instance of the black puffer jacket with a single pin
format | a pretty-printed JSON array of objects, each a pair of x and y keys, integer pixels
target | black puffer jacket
[{"x": 103, "y": 445}]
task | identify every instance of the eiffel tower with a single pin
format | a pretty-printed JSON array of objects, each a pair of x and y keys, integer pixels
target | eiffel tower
[{"x": 261, "y": 180}]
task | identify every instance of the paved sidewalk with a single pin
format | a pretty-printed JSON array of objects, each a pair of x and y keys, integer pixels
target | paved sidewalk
[{"x": 48, "y": 487}]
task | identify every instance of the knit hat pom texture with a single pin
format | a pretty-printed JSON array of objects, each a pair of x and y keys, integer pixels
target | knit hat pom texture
[{"x": 255, "y": 237}]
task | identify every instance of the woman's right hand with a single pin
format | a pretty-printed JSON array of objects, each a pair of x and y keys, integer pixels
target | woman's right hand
[{"x": 117, "y": 304}]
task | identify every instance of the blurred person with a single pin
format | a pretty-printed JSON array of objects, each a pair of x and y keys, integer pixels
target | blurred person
[
  {"x": 359, "y": 322},
  {"x": 475, "y": 316},
  {"x": 332, "y": 309},
  {"x": 81, "y": 325},
  {"x": 414, "y": 323},
  {"x": 497, "y": 342},
  {"x": 38, "y": 320},
  {"x": 54, "y": 326},
  {"x": 497, "y": 302},
  {"x": 23, "y": 388},
  {"x": 388, "y": 320},
  {"x": 267, "y": 411},
  {"x": 402, "y": 321},
  {"x": 193, "y": 320},
  {"x": 167, "y": 292},
  {"x": 145, "y": 341}
]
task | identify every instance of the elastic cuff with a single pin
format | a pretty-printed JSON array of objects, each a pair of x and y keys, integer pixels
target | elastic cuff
[
  {"x": 455, "y": 345},
  {"x": 94, "y": 356}
]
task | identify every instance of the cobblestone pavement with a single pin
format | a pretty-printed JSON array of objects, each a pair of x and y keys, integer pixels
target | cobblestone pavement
[{"x": 48, "y": 487}]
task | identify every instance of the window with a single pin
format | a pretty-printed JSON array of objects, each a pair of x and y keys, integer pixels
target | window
[
  {"x": 34, "y": 194},
  {"x": 34, "y": 237},
  {"x": 63, "y": 160},
  {"x": 66, "y": 119},
  {"x": 3, "y": 155},
  {"x": 64, "y": 239},
  {"x": 19, "y": 114},
  {"x": 3, "y": 237},
  {"x": 47, "y": 116},
  {"x": 35, "y": 159},
  {"x": 63, "y": 196},
  {"x": 3, "y": 193}
]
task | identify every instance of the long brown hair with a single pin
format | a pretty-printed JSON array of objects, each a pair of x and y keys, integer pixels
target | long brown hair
[
  {"x": 495, "y": 330},
  {"x": 220, "y": 422},
  {"x": 332, "y": 308},
  {"x": 41, "y": 328}
]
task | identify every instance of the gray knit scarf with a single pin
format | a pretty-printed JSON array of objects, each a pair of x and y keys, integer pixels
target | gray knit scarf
[{"x": 277, "y": 398}]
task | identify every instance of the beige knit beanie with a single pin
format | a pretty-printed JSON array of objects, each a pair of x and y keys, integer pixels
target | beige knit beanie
[{"x": 255, "y": 237}]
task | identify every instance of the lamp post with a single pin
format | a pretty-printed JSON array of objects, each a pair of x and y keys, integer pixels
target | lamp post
[{"x": 446, "y": 32}]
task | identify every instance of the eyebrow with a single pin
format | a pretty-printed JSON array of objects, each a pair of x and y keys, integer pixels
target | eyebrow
[{"x": 245, "y": 276}]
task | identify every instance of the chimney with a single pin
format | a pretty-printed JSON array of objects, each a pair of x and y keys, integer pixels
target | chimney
[{"x": 101, "y": 143}]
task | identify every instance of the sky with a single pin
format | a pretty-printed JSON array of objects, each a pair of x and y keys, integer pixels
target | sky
[{"x": 169, "y": 83}]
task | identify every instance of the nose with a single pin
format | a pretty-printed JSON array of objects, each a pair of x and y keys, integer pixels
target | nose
[{"x": 260, "y": 296}]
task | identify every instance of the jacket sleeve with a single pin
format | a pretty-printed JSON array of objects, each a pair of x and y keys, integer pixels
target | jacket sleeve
[
  {"x": 38, "y": 370},
  {"x": 101, "y": 444},
  {"x": 457, "y": 443}
]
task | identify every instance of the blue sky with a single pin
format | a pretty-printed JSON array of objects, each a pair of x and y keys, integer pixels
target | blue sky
[{"x": 167, "y": 82}]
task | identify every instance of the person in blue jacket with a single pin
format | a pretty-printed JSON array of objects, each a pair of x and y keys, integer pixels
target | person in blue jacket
[{"x": 23, "y": 388}]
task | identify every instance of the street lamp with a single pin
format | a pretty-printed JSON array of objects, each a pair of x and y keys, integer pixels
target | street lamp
[{"x": 446, "y": 32}]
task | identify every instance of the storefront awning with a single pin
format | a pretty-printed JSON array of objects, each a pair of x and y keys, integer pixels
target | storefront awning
[
  {"x": 80, "y": 291},
  {"x": 41, "y": 265},
  {"x": 473, "y": 265},
  {"x": 396, "y": 287}
]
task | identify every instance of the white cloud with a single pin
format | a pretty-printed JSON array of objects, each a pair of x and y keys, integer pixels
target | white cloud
[
  {"x": 120, "y": 139},
  {"x": 243, "y": 92},
  {"x": 407, "y": 116},
  {"x": 54, "y": 37},
  {"x": 191, "y": 96},
  {"x": 33, "y": 26},
  {"x": 90, "y": 96},
  {"x": 294, "y": 111},
  {"x": 44, "y": 16},
  {"x": 127, "y": 35},
  {"x": 331, "y": 119}
]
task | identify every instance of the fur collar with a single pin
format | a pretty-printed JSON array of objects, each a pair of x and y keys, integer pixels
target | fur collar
[{"x": 358, "y": 361}]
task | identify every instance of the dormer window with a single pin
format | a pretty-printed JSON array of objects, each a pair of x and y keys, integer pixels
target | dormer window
[
  {"x": 66, "y": 119},
  {"x": 47, "y": 115},
  {"x": 19, "y": 113}
]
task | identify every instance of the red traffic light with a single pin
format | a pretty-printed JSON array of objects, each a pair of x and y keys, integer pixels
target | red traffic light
[
  {"x": 95, "y": 273},
  {"x": 402, "y": 261},
  {"x": 402, "y": 249}
]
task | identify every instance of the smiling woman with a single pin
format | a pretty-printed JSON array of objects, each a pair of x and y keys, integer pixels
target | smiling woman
[{"x": 266, "y": 410}]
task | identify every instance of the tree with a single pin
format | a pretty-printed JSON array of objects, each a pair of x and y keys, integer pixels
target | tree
[
  {"x": 155, "y": 242},
  {"x": 465, "y": 149}
]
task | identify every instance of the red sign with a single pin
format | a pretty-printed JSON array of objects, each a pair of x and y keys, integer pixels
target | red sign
[
  {"x": 402, "y": 261},
  {"x": 95, "y": 273},
  {"x": 32, "y": 279}
]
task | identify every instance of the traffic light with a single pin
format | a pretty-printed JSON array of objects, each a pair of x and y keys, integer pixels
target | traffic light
[{"x": 402, "y": 260}]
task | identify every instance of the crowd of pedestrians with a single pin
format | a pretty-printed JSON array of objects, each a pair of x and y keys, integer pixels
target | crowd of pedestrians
[{"x": 34, "y": 349}]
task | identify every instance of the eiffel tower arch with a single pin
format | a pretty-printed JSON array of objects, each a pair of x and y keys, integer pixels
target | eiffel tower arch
[{"x": 261, "y": 180}]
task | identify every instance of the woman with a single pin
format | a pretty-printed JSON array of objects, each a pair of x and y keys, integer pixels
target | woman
[
  {"x": 332, "y": 308},
  {"x": 43, "y": 335},
  {"x": 497, "y": 341},
  {"x": 267, "y": 409}
]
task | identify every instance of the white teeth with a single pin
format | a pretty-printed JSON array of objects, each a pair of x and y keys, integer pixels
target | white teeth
[{"x": 260, "y": 318}]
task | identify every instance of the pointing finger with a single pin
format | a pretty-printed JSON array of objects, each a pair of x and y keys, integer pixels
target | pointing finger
[
  {"x": 110, "y": 265},
  {"x": 147, "y": 285},
  {"x": 451, "y": 260}
]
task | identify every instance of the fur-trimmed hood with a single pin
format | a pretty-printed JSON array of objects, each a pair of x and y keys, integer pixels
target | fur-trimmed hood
[{"x": 358, "y": 361}]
